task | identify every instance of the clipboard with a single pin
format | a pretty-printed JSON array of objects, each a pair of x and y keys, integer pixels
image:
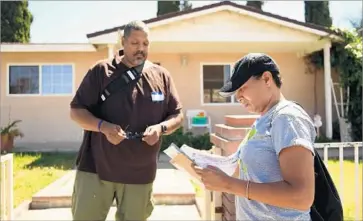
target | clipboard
[{"x": 181, "y": 161}]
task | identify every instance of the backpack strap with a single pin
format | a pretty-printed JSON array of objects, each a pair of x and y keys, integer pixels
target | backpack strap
[{"x": 130, "y": 75}]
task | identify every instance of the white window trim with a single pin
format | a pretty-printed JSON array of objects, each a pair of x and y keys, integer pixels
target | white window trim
[
  {"x": 40, "y": 79},
  {"x": 232, "y": 103}
]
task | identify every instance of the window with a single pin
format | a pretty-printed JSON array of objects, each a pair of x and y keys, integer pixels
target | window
[
  {"x": 57, "y": 79},
  {"x": 23, "y": 79},
  {"x": 41, "y": 79},
  {"x": 214, "y": 77}
]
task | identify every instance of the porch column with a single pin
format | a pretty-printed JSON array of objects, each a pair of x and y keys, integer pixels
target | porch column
[
  {"x": 110, "y": 51},
  {"x": 328, "y": 96}
]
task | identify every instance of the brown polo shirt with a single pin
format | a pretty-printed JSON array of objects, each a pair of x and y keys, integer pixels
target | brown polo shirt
[{"x": 131, "y": 161}]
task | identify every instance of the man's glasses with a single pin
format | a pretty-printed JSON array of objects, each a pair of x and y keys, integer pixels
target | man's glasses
[{"x": 133, "y": 135}]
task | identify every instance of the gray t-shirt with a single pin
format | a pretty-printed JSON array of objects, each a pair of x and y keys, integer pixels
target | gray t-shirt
[{"x": 284, "y": 125}]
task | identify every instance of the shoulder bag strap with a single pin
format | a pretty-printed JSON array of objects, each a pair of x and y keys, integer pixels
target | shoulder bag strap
[{"x": 130, "y": 75}]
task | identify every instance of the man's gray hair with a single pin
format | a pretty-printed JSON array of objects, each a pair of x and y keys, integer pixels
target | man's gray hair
[{"x": 136, "y": 26}]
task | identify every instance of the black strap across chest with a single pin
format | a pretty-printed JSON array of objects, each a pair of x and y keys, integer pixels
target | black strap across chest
[{"x": 128, "y": 76}]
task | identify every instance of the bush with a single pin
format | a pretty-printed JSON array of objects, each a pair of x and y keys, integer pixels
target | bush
[{"x": 200, "y": 142}]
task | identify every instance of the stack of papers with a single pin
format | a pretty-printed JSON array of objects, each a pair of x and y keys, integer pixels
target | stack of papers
[
  {"x": 181, "y": 161},
  {"x": 183, "y": 158}
]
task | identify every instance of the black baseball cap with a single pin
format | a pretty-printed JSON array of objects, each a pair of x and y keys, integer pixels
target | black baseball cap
[{"x": 253, "y": 64}]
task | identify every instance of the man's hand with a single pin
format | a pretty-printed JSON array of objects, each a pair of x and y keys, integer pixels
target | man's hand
[
  {"x": 152, "y": 134},
  {"x": 213, "y": 178},
  {"x": 113, "y": 132}
]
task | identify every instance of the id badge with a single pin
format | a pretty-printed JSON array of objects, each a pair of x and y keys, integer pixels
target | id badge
[{"x": 157, "y": 96}]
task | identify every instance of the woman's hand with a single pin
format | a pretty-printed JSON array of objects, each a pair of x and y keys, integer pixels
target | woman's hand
[{"x": 213, "y": 178}]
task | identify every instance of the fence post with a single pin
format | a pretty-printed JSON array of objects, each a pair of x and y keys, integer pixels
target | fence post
[
  {"x": 7, "y": 187},
  {"x": 207, "y": 205},
  {"x": 217, "y": 196},
  {"x": 356, "y": 178}
]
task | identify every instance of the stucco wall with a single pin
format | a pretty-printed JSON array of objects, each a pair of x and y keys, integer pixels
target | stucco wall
[{"x": 46, "y": 119}]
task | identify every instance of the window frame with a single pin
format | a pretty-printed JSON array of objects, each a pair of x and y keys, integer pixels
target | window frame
[
  {"x": 39, "y": 64},
  {"x": 202, "y": 64}
]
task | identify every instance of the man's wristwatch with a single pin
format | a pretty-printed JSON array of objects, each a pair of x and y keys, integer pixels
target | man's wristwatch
[{"x": 163, "y": 128}]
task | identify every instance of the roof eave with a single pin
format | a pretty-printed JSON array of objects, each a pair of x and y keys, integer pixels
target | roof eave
[{"x": 48, "y": 47}]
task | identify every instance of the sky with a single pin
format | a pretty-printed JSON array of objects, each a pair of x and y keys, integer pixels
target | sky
[{"x": 70, "y": 21}]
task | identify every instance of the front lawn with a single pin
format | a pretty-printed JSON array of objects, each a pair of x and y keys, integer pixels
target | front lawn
[
  {"x": 347, "y": 191},
  {"x": 34, "y": 171}
]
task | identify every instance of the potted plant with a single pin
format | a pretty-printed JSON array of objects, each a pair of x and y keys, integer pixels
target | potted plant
[{"x": 8, "y": 134}]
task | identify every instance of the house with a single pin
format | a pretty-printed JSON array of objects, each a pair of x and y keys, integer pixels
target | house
[{"x": 197, "y": 46}]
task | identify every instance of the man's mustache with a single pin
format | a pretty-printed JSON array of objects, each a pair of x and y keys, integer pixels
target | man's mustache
[{"x": 140, "y": 53}]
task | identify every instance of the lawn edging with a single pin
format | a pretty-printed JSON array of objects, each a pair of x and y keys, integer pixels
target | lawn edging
[
  {"x": 22, "y": 208},
  {"x": 41, "y": 200},
  {"x": 33, "y": 172}
]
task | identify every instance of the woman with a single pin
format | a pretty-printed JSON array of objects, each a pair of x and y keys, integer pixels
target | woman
[{"x": 276, "y": 164}]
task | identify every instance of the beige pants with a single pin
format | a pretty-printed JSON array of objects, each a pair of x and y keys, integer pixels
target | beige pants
[{"x": 92, "y": 199}]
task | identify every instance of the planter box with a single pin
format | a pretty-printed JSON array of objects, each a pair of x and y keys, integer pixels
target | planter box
[
  {"x": 6, "y": 142},
  {"x": 7, "y": 192}
]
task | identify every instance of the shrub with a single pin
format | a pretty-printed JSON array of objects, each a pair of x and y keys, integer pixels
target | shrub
[{"x": 200, "y": 142}]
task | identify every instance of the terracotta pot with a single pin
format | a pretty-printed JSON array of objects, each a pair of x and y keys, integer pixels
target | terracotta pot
[{"x": 7, "y": 142}]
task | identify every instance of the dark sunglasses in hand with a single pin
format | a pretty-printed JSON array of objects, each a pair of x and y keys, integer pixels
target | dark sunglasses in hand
[{"x": 134, "y": 135}]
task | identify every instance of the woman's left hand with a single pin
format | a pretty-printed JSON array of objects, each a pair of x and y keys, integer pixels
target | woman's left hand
[{"x": 213, "y": 178}]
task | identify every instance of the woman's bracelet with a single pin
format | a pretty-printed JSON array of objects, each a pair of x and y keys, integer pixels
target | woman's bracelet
[{"x": 248, "y": 190}]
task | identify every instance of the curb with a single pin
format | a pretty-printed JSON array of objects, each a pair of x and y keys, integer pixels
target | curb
[
  {"x": 22, "y": 208},
  {"x": 66, "y": 201}
]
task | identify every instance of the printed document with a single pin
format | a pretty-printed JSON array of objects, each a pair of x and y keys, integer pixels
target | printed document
[
  {"x": 183, "y": 158},
  {"x": 204, "y": 158}
]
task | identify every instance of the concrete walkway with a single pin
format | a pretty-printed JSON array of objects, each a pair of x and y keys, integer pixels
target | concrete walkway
[
  {"x": 176, "y": 212},
  {"x": 171, "y": 187},
  {"x": 173, "y": 193}
]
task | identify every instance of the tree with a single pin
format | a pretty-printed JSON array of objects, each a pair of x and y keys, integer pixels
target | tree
[
  {"x": 186, "y": 5},
  {"x": 165, "y": 7},
  {"x": 317, "y": 12},
  {"x": 255, "y": 4},
  {"x": 357, "y": 24},
  {"x": 16, "y": 20}
]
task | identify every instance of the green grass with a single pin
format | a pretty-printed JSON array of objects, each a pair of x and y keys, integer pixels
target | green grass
[
  {"x": 348, "y": 187},
  {"x": 34, "y": 171}
]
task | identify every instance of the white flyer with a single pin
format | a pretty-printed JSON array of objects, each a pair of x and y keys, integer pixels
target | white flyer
[{"x": 203, "y": 159}]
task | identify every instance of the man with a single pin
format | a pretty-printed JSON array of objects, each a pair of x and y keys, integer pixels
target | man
[
  {"x": 276, "y": 164},
  {"x": 111, "y": 165}
]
